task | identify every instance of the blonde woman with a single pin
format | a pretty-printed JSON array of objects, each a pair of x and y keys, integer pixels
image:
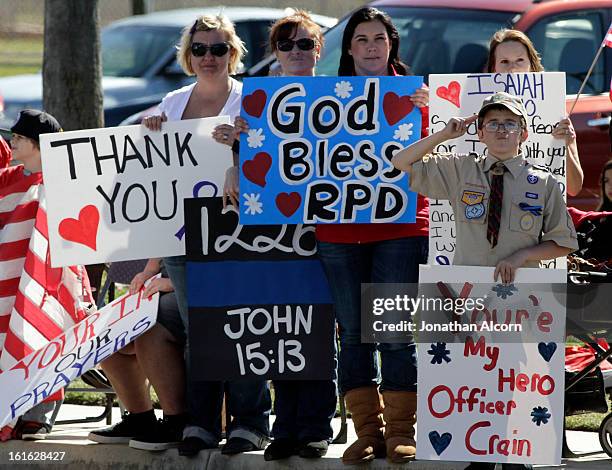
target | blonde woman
[{"x": 211, "y": 50}]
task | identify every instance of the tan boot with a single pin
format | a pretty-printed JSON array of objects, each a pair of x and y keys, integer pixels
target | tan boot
[
  {"x": 365, "y": 406},
  {"x": 400, "y": 418}
]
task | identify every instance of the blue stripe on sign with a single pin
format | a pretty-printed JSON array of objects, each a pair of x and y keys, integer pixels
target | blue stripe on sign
[{"x": 225, "y": 283}]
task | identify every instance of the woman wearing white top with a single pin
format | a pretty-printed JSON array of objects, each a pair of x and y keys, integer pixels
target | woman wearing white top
[{"x": 211, "y": 50}]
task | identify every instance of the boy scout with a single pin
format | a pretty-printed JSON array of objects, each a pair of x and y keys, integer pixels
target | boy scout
[{"x": 509, "y": 213}]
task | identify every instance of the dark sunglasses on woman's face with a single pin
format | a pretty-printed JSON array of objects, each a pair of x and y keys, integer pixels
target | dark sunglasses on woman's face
[
  {"x": 219, "y": 50},
  {"x": 304, "y": 44}
]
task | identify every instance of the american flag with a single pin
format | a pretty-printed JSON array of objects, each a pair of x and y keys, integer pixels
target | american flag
[
  {"x": 608, "y": 39},
  {"x": 37, "y": 302}
]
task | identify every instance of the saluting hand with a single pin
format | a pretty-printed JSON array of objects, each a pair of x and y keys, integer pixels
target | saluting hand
[{"x": 457, "y": 126}]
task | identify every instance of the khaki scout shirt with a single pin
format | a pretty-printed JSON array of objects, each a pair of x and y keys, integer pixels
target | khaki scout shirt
[{"x": 465, "y": 180}]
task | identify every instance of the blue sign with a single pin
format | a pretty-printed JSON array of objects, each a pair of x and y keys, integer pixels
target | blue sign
[{"x": 319, "y": 149}]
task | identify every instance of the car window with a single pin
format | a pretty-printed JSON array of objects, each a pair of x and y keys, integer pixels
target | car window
[
  {"x": 131, "y": 51},
  {"x": 433, "y": 40},
  {"x": 255, "y": 36},
  {"x": 568, "y": 43}
]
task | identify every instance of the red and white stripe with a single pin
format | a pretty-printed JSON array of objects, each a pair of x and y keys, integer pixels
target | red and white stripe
[
  {"x": 37, "y": 302},
  {"x": 608, "y": 39}
]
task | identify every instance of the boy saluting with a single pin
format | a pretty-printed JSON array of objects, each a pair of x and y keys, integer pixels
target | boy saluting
[{"x": 509, "y": 213}]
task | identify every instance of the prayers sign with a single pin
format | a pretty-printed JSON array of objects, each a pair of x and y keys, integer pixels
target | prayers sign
[
  {"x": 52, "y": 367},
  {"x": 117, "y": 194},
  {"x": 319, "y": 149}
]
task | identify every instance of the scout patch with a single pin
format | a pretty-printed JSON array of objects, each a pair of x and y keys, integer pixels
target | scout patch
[
  {"x": 532, "y": 179},
  {"x": 475, "y": 208},
  {"x": 475, "y": 211},
  {"x": 527, "y": 221},
  {"x": 531, "y": 195},
  {"x": 535, "y": 210},
  {"x": 472, "y": 197}
]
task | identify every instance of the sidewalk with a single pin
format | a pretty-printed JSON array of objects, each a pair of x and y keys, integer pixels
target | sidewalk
[{"x": 81, "y": 453}]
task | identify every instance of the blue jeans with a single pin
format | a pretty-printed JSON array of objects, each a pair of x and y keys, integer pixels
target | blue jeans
[
  {"x": 347, "y": 265},
  {"x": 248, "y": 401},
  {"x": 304, "y": 409},
  {"x": 42, "y": 413}
]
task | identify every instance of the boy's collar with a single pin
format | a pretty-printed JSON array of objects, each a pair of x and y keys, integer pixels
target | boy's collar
[{"x": 514, "y": 165}]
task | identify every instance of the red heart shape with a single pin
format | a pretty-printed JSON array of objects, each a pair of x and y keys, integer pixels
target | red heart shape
[
  {"x": 288, "y": 203},
  {"x": 256, "y": 170},
  {"x": 254, "y": 103},
  {"x": 451, "y": 93},
  {"x": 83, "y": 230},
  {"x": 396, "y": 107}
]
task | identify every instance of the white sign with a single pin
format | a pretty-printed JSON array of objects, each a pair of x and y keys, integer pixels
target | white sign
[
  {"x": 461, "y": 95},
  {"x": 74, "y": 352},
  {"x": 494, "y": 392},
  {"x": 117, "y": 194}
]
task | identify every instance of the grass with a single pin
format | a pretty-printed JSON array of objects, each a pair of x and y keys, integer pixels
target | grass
[
  {"x": 20, "y": 55},
  {"x": 586, "y": 422}
]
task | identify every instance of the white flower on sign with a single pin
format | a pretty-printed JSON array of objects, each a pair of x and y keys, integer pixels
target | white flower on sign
[
  {"x": 255, "y": 138},
  {"x": 343, "y": 89},
  {"x": 253, "y": 206},
  {"x": 403, "y": 132}
]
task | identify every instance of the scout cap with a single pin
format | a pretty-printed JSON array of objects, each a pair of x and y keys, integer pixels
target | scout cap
[
  {"x": 512, "y": 103},
  {"x": 32, "y": 122}
]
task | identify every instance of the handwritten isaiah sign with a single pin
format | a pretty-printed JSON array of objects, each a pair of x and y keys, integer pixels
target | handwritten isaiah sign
[
  {"x": 462, "y": 95},
  {"x": 259, "y": 303},
  {"x": 117, "y": 194},
  {"x": 491, "y": 380},
  {"x": 74, "y": 352},
  {"x": 319, "y": 150}
]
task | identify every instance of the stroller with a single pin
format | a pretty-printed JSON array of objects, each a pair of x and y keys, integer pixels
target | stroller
[{"x": 589, "y": 319}]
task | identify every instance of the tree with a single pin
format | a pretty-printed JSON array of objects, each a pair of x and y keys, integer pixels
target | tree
[
  {"x": 139, "y": 7},
  {"x": 72, "y": 73}
]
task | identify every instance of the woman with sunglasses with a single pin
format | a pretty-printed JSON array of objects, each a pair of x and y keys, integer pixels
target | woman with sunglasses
[
  {"x": 304, "y": 408},
  {"x": 211, "y": 50},
  {"x": 359, "y": 253}
]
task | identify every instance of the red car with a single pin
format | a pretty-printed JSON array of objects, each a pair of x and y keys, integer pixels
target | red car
[{"x": 452, "y": 36}]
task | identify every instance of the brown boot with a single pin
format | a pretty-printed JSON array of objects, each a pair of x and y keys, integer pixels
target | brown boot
[
  {"x": 365, "y": 406},
  {"x": 400, "y": 417}
]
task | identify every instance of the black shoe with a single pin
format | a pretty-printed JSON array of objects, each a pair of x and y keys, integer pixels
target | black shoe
[
  {"x": 130, "y": 426},
  {"x": 313, "y": 449},
  {"x": 191, "y": 446},
  {"x": 168, "y": 434},
  {"x": 237, "y": 445},
  {"x": 281, "y": 448}
]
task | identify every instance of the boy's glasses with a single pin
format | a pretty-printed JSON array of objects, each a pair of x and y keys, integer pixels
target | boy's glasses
[
  {"x": 511, "y": 127},
  {"x": 304, "y": 44},
  {"x": 218, "y": 50}
]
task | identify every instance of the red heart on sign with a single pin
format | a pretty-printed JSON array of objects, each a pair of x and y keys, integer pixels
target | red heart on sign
[
  {"x": 254, "y": 103},
  {"x": 288, "y": 203},
  {"x": 451, "y": 93},
  {"x": 396, "y": 107},
  {"x": 256, "y": 170},
  {"x": 83, "y": 230}
]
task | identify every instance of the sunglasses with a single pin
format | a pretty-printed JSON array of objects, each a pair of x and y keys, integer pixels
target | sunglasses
[
  {"x": 304, "y": 44},
  {"x": 218, "y": 50}
]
